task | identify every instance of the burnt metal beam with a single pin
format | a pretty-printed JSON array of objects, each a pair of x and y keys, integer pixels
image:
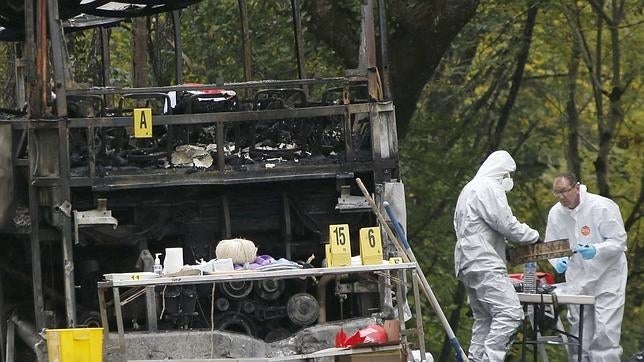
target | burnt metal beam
[
  {"x": 239, "y": 85},
  {"x": 226, "y": 226},
  {"x": 105, "y": 57},
  {"x": 34, "y": 237},
  {"x": 384, "y": 49},
  {"x": 369, "y": 31},
  {"x": 292, "y": 173},
  {"x": 243, "y": 116},
  {"x": 287, "y": 226},
  {"x": 64, "y": 192}
]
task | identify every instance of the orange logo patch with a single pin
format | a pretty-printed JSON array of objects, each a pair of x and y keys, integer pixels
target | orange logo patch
[{"x": 585, "y": 230}]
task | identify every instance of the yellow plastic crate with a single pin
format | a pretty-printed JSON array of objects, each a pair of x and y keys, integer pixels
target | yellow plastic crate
[{"x": 75, "y": 345}]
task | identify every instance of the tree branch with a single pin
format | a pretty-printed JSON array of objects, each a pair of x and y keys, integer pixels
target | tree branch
[
  {"x": 601, "y": 12},
  {"x": 522, "y": 58}
]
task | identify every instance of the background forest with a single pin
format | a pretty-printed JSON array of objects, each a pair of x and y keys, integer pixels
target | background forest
[{"x": 556, "y": 83}]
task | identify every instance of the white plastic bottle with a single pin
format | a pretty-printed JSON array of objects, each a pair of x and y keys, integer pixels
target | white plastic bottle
[{"x": 158, "y": 268}]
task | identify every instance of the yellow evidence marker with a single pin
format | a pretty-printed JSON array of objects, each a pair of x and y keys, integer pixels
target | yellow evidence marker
[
  {"x": 142, "y": 122},
  {"x": 370, "y": 246},
  {"x": 339, "y": 245}
]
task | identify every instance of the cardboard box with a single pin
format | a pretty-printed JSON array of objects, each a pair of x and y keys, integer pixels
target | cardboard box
[{"x": 375, "y": 356}]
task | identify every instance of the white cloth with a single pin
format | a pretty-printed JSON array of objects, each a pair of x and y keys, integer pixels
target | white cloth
[
  {"x": 482, "y": 221},
  {"x": 595, "y": 221}
]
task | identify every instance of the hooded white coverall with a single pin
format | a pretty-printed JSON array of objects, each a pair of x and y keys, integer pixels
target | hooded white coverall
[
  {"x": 595, "y": 221},
  {"x": 482, "y": 221}
]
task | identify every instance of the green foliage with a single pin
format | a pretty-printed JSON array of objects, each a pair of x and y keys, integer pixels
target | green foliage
[{"x": 456, "y": 117}]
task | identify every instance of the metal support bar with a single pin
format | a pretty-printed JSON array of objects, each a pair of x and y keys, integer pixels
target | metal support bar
[
  {"x": 299, "y": 41},
  {"x": 178, "y": 46},
  {"x": 221, "y": 160},
  {"x": 373, "y": 81},
  {"x": 384, "y": 49},
  {"x": 225, "y": 217},
  {"x": 103, "y": 311},
  {"x": 419, "y": 317},
  {"x": 401, "y": 298},
  {"x": 11, "y": 342},
  {"x": 288, "y": 234},
  {"x": 58, "y": 58},
  {"x": 119, "y": 321},
  {"x": 34, "y": 214},
  {"x": 348, "y": 138},
  {"x": 151, "y": 302},
  {"x": 105, "y": 57},
  {"x": 243, "y": 15}
]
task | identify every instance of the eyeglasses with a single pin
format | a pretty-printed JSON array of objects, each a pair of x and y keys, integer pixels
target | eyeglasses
[{"x": 562, "y": 192}]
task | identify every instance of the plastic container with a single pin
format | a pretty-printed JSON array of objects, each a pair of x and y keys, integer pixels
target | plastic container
[
  {"x": 173, "y": 260},
  {"x": 75, "y": 344},
  {"x": 158, "y": 268},
  {"x": 530, "y": 277}
]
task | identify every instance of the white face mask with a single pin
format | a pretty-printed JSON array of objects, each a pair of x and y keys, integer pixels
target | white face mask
[{"x": 507, "y": 183}]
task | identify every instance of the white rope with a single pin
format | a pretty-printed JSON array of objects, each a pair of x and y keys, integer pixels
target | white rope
[{"x": 241, "y": 251}]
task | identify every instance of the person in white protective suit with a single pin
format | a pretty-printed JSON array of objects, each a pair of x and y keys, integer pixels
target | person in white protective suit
[
  {"x": 593, "y": 225},
  {"x": 483, "y": 221}
]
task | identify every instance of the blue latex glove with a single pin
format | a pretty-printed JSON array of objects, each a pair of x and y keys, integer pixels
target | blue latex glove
[
  {"x": 587, "y": 251},
  {"x": 561, "y": 265}
]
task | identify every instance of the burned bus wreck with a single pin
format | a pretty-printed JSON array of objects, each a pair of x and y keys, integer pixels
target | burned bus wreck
[{"x": 98, "y": 179}]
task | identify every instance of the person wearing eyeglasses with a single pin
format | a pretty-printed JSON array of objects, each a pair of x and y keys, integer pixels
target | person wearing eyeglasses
[
  {"x": 483, "y": 221},
  {"x": 593, "y": 225}
]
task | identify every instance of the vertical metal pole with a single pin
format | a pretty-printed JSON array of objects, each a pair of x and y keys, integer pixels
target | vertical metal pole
[
  {"x": 119, "y": 320},
  {"x": 151, "y": 304},
  {"x": 219, "y": 134},
  {"x": 225, "y": 209},
  {"x": 91, "y": 153},
  {"x": 384, "y": 48},
  {"x": 299, "y": 41},
  {"x": 55, "y": 31},
  {"x": 288, "y": 235},
  {"x": 419, "y": 316},
  {"x": 178, "y": 45},
  {"x": 106, "y": 65},
  {"x": 19, "y": 63},
  {"x": 30, "y": 61},
  {"x": 348, "y": 137},
  {"x": 401, "y": 298},
  {"x": 56, "y": 35},
  {"x": 11, "y": 341},
  {"x": 105, "y": 56},
  {"x": 370, "y": 48},
  {"x": 103, "y": 311},
  {"x": 580, "y": 337},
  {"x": 34, "y": 236},
  {"x": 243, "y": 14},
  {"x": 41, "y": 53}
]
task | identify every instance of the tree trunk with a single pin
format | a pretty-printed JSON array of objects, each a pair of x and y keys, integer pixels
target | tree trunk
[
  {"x": 420, "y": 32},
  {"x": 572, "y": 114},
  {"x": 522, "y": 58}
]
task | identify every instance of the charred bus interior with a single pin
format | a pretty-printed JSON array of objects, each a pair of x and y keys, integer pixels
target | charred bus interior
[{"x": 272, "y": 161}]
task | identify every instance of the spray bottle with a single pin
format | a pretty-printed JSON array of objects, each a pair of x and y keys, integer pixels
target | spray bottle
[{"x": 157, "y": 265}]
